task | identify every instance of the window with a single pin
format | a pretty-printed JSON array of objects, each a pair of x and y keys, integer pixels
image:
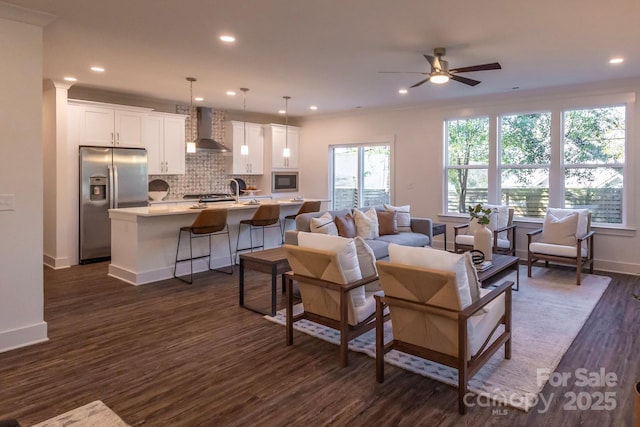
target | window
[
  {"x": 467, "y": 163},
  {"x": 361, "y": 175},
  {"x": 564, "y": 157},
  {"x": 594, "y": 145},
  {"x": 525, "y": 145}
]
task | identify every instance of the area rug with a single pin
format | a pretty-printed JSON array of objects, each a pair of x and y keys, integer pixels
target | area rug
[
  {"x": 548, "y": 312},
  {"x": 94, "y": 414}
]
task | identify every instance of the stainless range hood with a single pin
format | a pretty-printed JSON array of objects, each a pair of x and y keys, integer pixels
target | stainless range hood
[{"x": 205, "y": 141}]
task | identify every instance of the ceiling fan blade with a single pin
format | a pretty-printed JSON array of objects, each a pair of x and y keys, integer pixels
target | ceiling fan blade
[
  {"x": 422, "y": 82},
  {"x": 431, "y": 60},
  {"x": 483, "y": 67},
  {"x": 402, "y": 72},
  {"x": 464, "y": 80}
]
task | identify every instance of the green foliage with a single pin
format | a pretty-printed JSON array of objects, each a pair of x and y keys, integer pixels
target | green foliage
[{"x": 483, "y": 216}]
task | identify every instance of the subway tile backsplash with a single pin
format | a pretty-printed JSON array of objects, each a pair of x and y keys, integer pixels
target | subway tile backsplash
[{"x": 204, "y": 172}]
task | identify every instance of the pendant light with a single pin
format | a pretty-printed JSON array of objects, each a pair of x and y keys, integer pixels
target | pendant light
[
  {"x": 191, "y": 144},
  {"x": 286, "y": 153},
  {"x": 244, "y": 148}
]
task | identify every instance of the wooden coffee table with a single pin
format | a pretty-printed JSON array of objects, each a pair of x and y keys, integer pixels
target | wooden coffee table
[{"x": 500, "y": 263}]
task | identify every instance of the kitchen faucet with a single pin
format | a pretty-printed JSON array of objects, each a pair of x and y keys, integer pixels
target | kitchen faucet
[{"x": 237, "y": 196}]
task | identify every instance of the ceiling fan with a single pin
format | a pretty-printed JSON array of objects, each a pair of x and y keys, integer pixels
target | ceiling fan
[{"x": 440, "y": 72}]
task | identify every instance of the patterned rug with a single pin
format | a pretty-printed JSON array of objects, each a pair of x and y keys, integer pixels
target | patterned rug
[
  {"x": 548, "y": 312},
  {"x": 94, "y": 414}
]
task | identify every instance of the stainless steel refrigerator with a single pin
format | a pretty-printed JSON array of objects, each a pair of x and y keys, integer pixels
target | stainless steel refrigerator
[{"x": 109, "y": 178}]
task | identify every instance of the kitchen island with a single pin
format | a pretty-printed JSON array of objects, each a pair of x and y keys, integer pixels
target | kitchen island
[{"x": 144, "y": 240}]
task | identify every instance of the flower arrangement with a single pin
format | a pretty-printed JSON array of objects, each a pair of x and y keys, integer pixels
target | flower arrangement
[{"x": 483, "y": 216}]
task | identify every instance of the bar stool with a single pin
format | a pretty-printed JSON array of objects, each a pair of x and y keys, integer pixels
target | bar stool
[
  {"x": 307, "y": 207},
  {"x": 209, "y": 222},
  {"x": 266, "y": 216}
]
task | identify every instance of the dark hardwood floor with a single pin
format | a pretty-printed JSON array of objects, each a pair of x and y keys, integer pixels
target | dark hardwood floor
[{"x": 171, "y": 354}]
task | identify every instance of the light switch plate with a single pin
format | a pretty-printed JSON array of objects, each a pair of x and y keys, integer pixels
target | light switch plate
[{"x": 7, "y": 202}]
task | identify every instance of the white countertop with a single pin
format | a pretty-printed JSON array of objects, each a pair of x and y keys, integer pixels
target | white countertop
[{"x": 185, "y": 208}]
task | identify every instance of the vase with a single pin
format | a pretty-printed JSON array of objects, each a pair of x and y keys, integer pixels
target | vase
[{"x": 482, "y": 241}]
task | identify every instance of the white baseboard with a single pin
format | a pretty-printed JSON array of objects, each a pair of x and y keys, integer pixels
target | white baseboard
[
  {"x": 55, "y": 263},
  {"x": 150, "y": 276},
  {"x": 22, "y": 337}
]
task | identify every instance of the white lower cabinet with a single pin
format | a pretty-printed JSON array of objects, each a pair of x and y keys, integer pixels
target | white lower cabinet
[{"x": 165, "y": 143}]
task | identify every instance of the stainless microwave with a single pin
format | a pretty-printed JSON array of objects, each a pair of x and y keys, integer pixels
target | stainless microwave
[{"x": 284, "y": 182}]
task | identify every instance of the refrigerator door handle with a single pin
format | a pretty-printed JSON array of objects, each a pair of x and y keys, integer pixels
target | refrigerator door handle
[
  {"x": 110, "y": 185},
  {"x": 115, "y": 186}
]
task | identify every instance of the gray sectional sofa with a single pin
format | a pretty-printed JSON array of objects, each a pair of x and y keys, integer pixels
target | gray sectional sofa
[{"x": 421, "y": 232}]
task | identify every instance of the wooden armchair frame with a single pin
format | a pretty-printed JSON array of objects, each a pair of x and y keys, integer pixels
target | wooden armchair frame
[
  {"x": 467, "y": 366},
  {"x": 347, "y": 331},
  {"x": 579, "y": 261},
  {"x": 511, "y": 236}
]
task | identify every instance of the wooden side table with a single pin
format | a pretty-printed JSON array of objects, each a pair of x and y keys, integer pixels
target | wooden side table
[
  {"x": 437, "y": 229},
  {"x": 271, "y": 261}
]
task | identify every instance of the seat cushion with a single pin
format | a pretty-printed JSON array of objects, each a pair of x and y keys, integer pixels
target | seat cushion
[
  {"x": 480, "y": 325},
  {"x": 380, "y": 247},
  {"x": 465, "y": 239},
  {"x": 556, "y": 250},
  {"x": 406, "y": 239}
]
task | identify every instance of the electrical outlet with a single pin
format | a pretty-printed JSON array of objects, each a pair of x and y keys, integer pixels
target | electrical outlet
[{"x": 7, "y": 202}]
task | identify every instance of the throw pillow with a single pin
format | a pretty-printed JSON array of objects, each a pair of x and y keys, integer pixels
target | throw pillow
[
  {"x": 324, "y": 225},
  {"x": 346, "y": 226},
  {"x": 583, "y": 219},
  {"x": 387, "y": 222},
  {"x": 403, "y": 216},
  {"x": 366, "y": 223},
  {"x": 560, "y": 231},
  {"x": 437, "y": 260},
  {"x": 347, "y": 257}
]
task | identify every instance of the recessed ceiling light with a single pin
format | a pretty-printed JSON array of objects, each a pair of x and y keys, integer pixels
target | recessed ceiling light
[
  {"x": 227, "y": 38},
  {"x": 313, "y": 107},
  {"x": 231, "y": 93},
  {"x": 198, "y": 99},
  {"x": 71, "y": 79},
  {"x": 403, "y": 91},
  {"x": 616, "y": 60},
  {"x": 281, "y": 111},
  {"x": 97, "y": 69}
]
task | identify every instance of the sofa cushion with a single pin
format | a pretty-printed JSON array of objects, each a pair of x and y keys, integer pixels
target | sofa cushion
[
  {"x": 303, "y": 221},
  {"x": 406, "y": 239},
  {"x": 366, "y": 223},
  {"x": 324, "y": 225},
  {"x": 379, "y": 247},
  {"x": 403, "y": 216},
  {"x": 346, "y": 226},
  {"x": 387, "y": 222}
]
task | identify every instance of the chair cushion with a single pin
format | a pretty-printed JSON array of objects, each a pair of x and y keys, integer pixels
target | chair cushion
[
  {"x": 347, "y": 257},
  {"x": 481, "y": 324},
  {"x": 560, "y": 230},
  {"x": 465, "y": 239},
  {"x": 406, "y": 239},
  {"x": 366, "y": 223},
  {"x": 367, "y": 263},
  {"x": 380, "y": 247},
  {"x": 556, "y": 250},
  {"x": 437, "y": 260},
  {"x": 324, "y": 225},
  {"x": 387, "y": 222},
  {"x": 403, "y": 216}
]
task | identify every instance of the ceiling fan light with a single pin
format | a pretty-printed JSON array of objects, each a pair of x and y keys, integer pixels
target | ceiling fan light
[{"x": 439, "y": 78}]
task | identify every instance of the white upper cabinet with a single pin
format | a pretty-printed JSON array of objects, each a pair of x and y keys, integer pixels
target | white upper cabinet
[
  {"x": 107, "y": 125},
  {"x": 281, "y": 136},
  {"x": 165, "y": 143},
  {"x": 251, "y": 163}
]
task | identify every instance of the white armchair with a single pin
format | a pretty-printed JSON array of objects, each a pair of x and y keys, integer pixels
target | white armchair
[
  {"x": 565, "y": 237},
  {"x": 502, "y": 226},
  {"x": 437, "y": 314}
]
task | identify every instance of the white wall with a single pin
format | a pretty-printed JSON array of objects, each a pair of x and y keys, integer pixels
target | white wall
[
  {"x": 418, "y": 157},
  {"x": 21, "y": 278}
]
